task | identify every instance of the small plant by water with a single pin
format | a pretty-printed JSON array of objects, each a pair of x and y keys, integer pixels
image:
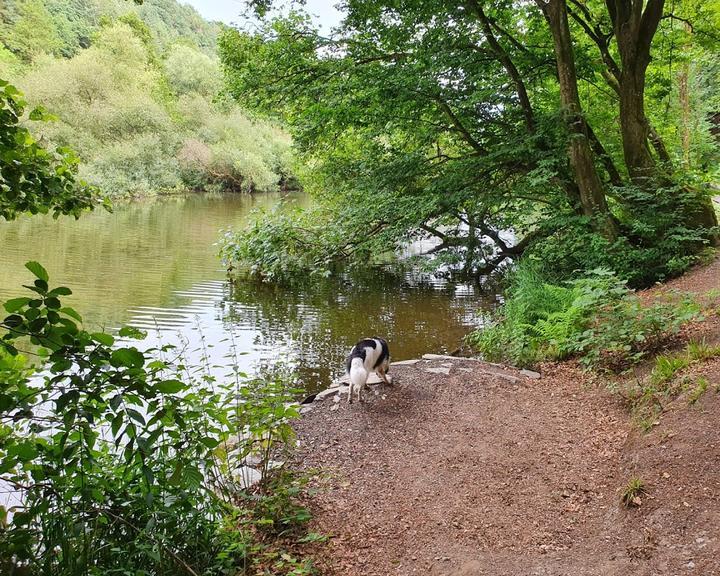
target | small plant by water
[{"x": 596, "y": 318}]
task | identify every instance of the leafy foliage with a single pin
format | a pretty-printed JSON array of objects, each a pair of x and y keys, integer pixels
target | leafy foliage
[
  {"x": 596, "y": 317},
  {"x": 139, "y": 103},
  {"x": 446, "y": 123},
  {"x": 33, "y": 179},
  {"x": 126, "y": 461}
]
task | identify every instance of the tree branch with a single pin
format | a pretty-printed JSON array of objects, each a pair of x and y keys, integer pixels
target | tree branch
[
  {"x": 507, "y": 63},
  {"x": 459, "y": 126}
]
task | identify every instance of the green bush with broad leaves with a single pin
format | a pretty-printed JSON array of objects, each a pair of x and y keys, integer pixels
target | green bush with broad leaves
[
  {"x": 32, "y": 178},
  {"x": 596, "y": 317},
  {"x": 125, "y": 461}
]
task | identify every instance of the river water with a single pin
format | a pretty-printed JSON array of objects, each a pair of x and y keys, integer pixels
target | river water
[{"x": 154, "y": 265}]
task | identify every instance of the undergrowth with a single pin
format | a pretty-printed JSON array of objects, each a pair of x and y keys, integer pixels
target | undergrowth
[
  {"x": 647, "y": 399},
  {"x": 596, "y": 318},
  {"x": 130, "y": 462},
  {"x": 633, "y": 491}
]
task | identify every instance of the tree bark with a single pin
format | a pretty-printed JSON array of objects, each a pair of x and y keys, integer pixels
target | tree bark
[
  {"x": 634, "y": 29},
  {"x": 592, "y": 195}
]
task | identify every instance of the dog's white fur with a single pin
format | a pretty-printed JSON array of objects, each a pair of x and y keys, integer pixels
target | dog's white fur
[{"x": 360, "y": 370}]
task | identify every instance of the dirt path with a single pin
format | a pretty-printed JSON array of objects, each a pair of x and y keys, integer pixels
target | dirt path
[{"x": 469, "y": 473}]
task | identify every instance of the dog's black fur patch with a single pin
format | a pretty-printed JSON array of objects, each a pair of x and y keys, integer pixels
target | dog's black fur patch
[{"x": 358, "y": 351}]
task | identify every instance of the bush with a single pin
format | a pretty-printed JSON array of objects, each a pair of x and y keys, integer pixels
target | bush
[
  {"x": 142, "y": 126},
  {"x": 127, "y": 462},
  {"x": 596, "y": 317},
  {"x": 655, "y": 243}
]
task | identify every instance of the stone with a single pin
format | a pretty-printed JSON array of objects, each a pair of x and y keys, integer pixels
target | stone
[
  {"x": 530, "y": 374},
  {"x": 405, "y": 362},
  {"x": 507, "y": 377},
  {"x": 247, "y": 476},
  {"x": 439, "y": 370},
  {"x": 438, "y": 357},
  {"x": 320, "y": 396}
]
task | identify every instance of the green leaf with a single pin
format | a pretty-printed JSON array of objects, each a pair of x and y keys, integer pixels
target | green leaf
[
  {"x": 72, "y": 313},
  {"x": 129, "y": 357},
  {"x": 25, "y": 451},
  {"x": 103, "y": 338},
  {"x": 177, "y": 474},
  {"x": 37, "y": 269},
  {"x": 60, "y": 291},
  {"x": 116, "y": 424},
  {"x": 52, "y": 302},
  {"x": 14, "y": 304},
  {"x": 13, "y": 321},
  {"x": 135, "y": 415},
  {"x": 6, "y": 401},
  {"x": 170, "y": 386},
  {"x": 209, "y": 442},
  {"x": 130, "y": 332}
]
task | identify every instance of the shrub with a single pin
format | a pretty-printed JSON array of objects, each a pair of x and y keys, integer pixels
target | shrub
[
  {"x": 138, "y": 123},
  {"x": 121, "y": 458},
  {"x": 596, "y": 317}
]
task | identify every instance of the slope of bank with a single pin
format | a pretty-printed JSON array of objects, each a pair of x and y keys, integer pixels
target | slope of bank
[{"x": 458, "y": 469}]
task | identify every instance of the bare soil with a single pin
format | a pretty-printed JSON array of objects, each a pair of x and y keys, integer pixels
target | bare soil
[{"x": 470, "y": 473}]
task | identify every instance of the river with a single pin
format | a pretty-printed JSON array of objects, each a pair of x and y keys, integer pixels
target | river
[{"x": 154, "y": 265}]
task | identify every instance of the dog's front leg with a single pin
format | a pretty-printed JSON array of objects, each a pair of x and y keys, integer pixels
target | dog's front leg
[{"x": 350, "y": 393}]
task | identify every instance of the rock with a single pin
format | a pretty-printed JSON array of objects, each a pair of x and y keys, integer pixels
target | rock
[
  {"x": 247, "y": 476},
  {"x": 372, "y": 379},
  {"x": 438, "y": 357},
  {"x": 320, "y": 396},
  {"x": 530, "y": 374},
  {"x": 439, "y": 370},
  {"x": 507, "y": 377},
  {"x": 405, "y": 362}
]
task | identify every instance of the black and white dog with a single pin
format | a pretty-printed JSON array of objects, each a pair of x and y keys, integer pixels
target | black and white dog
[{"x": 368, "y": 355}]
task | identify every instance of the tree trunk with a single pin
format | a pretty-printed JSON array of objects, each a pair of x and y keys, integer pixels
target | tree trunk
[
  {"x": 592, "y": 195},
  {"x": 636, "y": 131}
]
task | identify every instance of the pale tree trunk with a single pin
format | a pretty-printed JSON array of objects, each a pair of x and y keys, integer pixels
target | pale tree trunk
[{"x": 684, "y": 112}]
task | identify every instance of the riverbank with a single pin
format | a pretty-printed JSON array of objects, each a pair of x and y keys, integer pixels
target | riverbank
[{"x": 457, "y": 471}]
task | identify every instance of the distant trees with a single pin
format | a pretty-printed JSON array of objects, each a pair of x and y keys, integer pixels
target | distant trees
[{"x": 139, "y": 101}]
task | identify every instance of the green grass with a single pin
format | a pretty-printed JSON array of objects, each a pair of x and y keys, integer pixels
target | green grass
[
  {"x": 666, "y": 367},
  {"x": 632, "y": 492},
  {"x": 697, "y": 351},
  {"x": 700, "y": 387}
]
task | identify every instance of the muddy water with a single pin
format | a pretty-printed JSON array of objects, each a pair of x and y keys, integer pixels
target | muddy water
[{"x": 153, "y": 265}]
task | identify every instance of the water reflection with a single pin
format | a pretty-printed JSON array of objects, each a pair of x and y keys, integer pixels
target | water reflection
[
  {"x": 153, "y": 266},
  {"x": 309, "y": 331}
]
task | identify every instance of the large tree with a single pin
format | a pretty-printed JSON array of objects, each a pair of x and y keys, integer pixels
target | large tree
[{"x": 467, "y": 116}]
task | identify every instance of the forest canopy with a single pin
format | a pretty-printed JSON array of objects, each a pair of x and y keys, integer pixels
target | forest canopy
[
  {"x": 576, "y": 132},
  {"x": 136, "y": 91}
]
